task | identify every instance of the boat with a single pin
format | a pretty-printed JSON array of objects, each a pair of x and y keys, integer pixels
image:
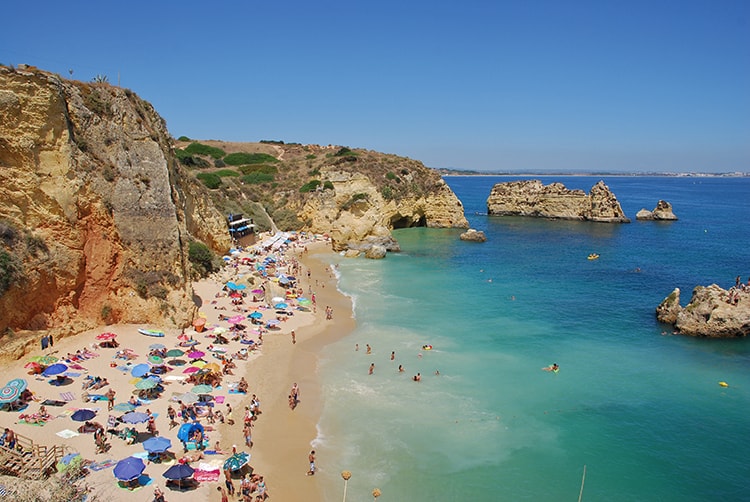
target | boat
[
  {"x": 593, "y": 256},
  {"x": 150, "y": 332}
]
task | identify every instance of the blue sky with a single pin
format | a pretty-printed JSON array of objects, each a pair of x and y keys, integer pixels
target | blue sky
[{"x": 603, "y": 85}]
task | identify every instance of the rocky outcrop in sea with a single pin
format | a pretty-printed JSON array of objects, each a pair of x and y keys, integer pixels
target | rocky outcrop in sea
[
  {"x": 712, "y": 312},
  {"x": 555, "y": 201},
  {"x": 662, "y": 212}
]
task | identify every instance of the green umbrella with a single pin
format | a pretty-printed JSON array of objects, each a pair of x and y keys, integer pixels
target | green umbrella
[
  {"x": 175, "y": 353},
  {"x": 237, "y": 461},
  {"x": 146, "y": 383},
  {"x": 155, "y": 360}
]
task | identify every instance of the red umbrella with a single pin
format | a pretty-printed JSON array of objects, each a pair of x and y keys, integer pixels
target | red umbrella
[
  {"x": 106, "y": 336},
  {"x": 235, "y": 295},
  {"x": 191, "y": 369}
]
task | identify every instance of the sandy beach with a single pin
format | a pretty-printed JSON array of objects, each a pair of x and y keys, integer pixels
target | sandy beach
[{"x": 282, "y": 437}]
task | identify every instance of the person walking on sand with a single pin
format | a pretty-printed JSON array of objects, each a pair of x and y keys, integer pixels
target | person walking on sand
[
  {"x": 311, "y": 459},
  {"x": 111, "y": 399},
  {"x": 223, "y": 492},
  {"x": 294, "y": 338}
]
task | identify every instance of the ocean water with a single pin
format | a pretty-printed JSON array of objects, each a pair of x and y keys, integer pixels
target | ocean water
[{"x": 640, "y": 408}]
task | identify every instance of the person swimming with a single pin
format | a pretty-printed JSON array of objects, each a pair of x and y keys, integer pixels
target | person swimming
[{"x": 552, "y": 367}]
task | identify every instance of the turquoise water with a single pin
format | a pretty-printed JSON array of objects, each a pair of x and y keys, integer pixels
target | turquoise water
[{"x": 639, "y": 407}]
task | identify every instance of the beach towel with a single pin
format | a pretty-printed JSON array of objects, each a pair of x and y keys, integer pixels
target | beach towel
[
  {"x": 219, "y": 399},
  {"x": 53, "y": 402},
  {"x": 206, "y": 476},
  {"x": 39, "y": 423},
  {"x": 67, "y": 434},
  {"x": 235, "y": 391},
  {"x": 72, "y": 375},
  {"x": 98, "y": 466},
  {"x": 67, "y": 396}
]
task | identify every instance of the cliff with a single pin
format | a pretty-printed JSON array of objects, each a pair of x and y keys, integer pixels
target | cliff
[
  {"x": 712, "y": 312},
  {"x": 95, "y": 214},
  {"x": 356, "y": 196},
  {"x": 532, "y": 198}
]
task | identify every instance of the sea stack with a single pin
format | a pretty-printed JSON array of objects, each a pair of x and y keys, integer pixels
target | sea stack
[
  {"x": 554, "y": 201},
  {"x": 662, "y": 212}
]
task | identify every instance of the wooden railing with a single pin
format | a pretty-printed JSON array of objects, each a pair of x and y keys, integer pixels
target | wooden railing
[{"x": 29, "y": 460}]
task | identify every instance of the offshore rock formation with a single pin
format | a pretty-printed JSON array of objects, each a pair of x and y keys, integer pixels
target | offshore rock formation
[
  {"x": 473, "y": 236},
  {"x": 712, "y": 312},
  {"x": 95, "y": 213},
  {"x": 357, "y": 216},
  {"x": 532, "y": 198},
  {"x": 662, "y": 212}
]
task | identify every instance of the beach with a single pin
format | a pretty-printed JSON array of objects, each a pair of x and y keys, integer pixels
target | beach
[{"x": 282, "y": 437}]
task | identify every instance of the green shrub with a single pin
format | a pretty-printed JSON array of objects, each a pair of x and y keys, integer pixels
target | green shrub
[
  {"x": 196, "y": 148},
  {"x": 106, "y": 312},
  {"x": 201, "y": 257},
  {"x": 390, "y": 176},
  {"x": 387, "y": 192},
  {"x": 257, "y": 178},
  {"x": 183, "y": 138},
  {"x": 241, "y": 158},
  {"x": 226, "y": 172},
  {"x": 310, "y": 156},
  {"x": 328, "y": 185},
  {"x": 353, "y": 200},
  {"x": 344, "y": 152},
  {"x": 210, "y": 180},
  {"x": 10, "y": 271},
  {"x": 314, "y": 172},
  {"x": 310, "y": 186},
  {"x": 258, "y": 168}
]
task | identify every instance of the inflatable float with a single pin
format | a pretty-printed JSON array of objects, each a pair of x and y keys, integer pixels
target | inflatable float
[
  {"x": 426, "y": 347},
  {"x": 723, "y": 384},
  {"x": 593, "y": 256}
]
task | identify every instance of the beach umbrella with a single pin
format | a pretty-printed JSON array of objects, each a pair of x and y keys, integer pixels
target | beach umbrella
[
  {"x": 189, "y": 398},
  {"x": 196, "y": 354},
  {"x": 175, "y": 353},
  {"x": 277, "y": 299},
  {"x": 255, "y": 315},
  {"x": 179, "y": 471},
  {"x": 235, "y": 295},
  {"x": 146, "y": 383},
  {"x": 236, "y": 461},
  {"x": 140, "y": 369},
  {"x": 212, "y": 367},
  {"x": 304, "y": 301},
  {"x": 83, "y": 414},
  {"x": 220, "y": 330},
  {"x": 12, "y": 390},
  {"x": 236, "y": 319},
  {"x": 124, "y": 407},
  {"x": 186, "y": 430},
  {"x": 134, "y": 417},
  {"x": 231, "y": 285},
  {"x": 55, "y": 369},
  {"x": 129, "y": 468},
  {"x": 157, "y": 444},
  {"x": 191, "y": 369},
  {"x": 156, "y": 360},
  {"x": 177, "y": 362},
  {"x": 157, "y": 346},
  {"x": 183, "y": 336},
  {"x": 281, "y": 306},
  {"x": 272, "y": 322},
  {"x": 239, "y": 287},
  {"x": 257, "y": 292},
  {"x": 106, "y": 336},
  {"x": 202, "y": 389}
]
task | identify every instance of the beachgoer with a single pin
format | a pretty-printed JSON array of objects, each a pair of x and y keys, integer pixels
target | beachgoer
[
  {"x": 311, "y": 459},
  {"x": 158, "y": 495},
  {"x": 110, "y": 399},
  {"x": 228, "y": 482},
  {"x": 400, "y": 368},
  {"x": 417, "y": 377},
  {"x": 294, "y": 337},
  {"x": 356, "y": 347},
  {"x": 223, "y": 492},
  {"x": 372, "y": 368},
  {"x": 369, "y": 349},
  {"x": 552, "y": 367},
  {"x": 393, "y": 356}
]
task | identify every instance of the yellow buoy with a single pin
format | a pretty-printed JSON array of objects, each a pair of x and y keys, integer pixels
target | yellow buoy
[{"x": 724, "y": 384}]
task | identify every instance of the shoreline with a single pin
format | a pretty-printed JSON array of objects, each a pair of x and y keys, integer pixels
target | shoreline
[{"x": 282, "y": 437}]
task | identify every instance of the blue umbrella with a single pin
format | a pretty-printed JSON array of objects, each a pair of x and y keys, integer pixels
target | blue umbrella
[
  {"x": 179, "y": 471},
  {"x": 12, "y": 390},
  {"x": 140, "y": 369},
  {"x": 281, "y": 305},
  {"x": 231, "y": 285},
  {"x": 82, "y": 415},
  {"x": 157, "y": 444},
  {"x": 255, "y": 315},
  {"x": 129, "y": 468},
  {"x": 134, "y": 417},
  {"x": 186, "y": 430},
  {"x": 123, "y": 407},
  {"x": 55, "y": 369}
]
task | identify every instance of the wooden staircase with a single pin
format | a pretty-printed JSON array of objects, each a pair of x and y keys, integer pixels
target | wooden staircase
[{"x": 29, "y": 460}]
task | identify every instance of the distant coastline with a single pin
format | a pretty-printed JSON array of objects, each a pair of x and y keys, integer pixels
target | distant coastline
[{"x": 460, "y": 172}]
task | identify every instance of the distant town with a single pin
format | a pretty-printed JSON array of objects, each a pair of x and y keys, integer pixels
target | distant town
[{"x": 469, "y": 172}]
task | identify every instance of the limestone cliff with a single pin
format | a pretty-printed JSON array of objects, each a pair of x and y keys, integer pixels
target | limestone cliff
[
  {"x": 95, "y": 214},
  {"x": 712, "y": 312},
  {"x": 532, "y": 198}
]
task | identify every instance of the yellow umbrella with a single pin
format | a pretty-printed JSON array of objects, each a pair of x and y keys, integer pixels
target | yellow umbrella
[
  {"x": 198, "y": 364},
  {"x": 212, "y": 367}
]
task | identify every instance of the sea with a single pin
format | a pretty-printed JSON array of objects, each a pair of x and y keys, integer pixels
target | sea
[{"x": 635, "y": 412}]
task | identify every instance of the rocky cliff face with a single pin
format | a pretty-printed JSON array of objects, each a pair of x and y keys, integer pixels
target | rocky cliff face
[
  {"x": 712, "y": 312},
  {"x": 532, "y": 198},
  {"x": 95, "y": 216},
  {"x": 356, "y": 214}
]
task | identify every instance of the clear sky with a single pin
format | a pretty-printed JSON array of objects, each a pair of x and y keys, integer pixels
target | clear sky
[{"x": 609, "y": 85}]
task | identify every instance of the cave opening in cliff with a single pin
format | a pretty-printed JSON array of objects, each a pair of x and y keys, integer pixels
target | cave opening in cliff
[{"x": 404, "y": 222}]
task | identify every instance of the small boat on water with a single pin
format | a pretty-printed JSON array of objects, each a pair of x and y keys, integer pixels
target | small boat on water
[
  {"x": 593, "y": 256},
  {"x": 150, "y": 332}
]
